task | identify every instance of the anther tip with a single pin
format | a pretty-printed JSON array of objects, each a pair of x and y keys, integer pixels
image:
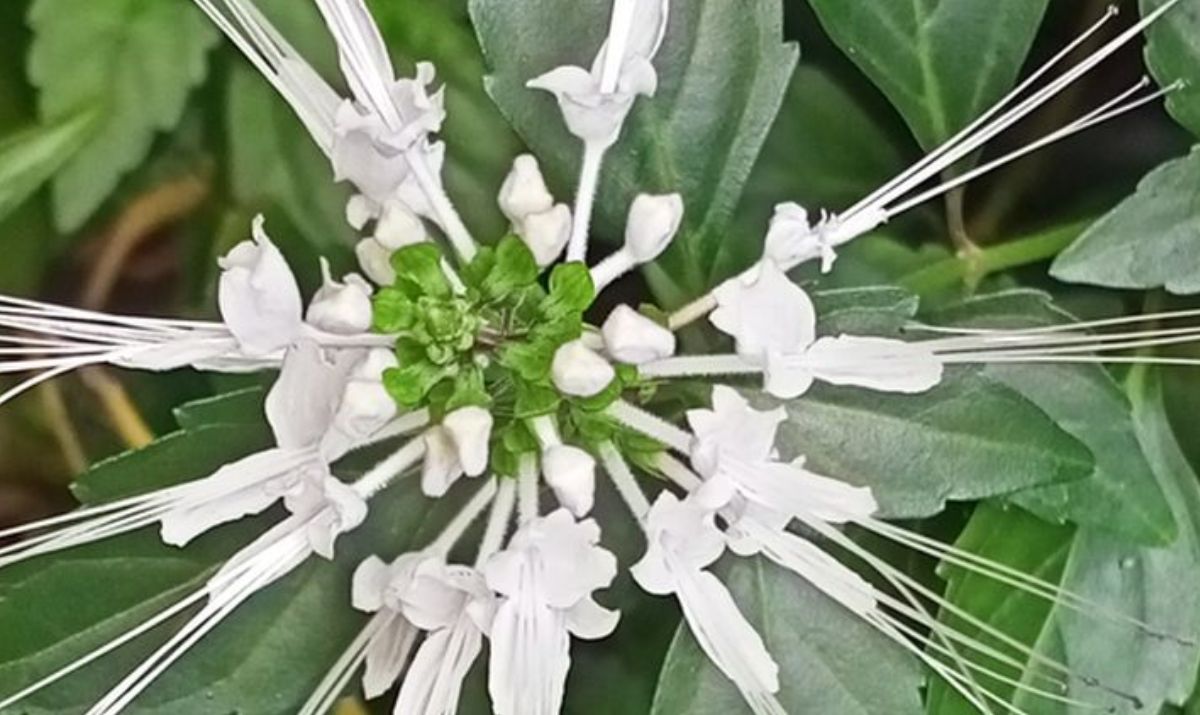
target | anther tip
[{"x": 1112, "y": 11}]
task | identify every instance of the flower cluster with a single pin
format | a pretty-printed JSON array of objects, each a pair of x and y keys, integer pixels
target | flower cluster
[{"x": 483, "y": 361}]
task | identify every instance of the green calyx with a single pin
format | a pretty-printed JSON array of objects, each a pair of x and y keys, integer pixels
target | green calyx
[{"x": 492, "y": 343}]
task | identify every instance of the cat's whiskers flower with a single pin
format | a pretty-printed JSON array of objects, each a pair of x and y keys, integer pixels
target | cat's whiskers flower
[{"x": 806, "y": 241}]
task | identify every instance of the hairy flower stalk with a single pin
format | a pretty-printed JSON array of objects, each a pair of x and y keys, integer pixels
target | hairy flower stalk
[{"x": 483, "y": 357}]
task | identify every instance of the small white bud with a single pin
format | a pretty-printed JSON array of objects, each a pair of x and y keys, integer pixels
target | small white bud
[
  {"x": 791, "y": 237},
  {"x": 632, "y": 338},
  {"x": 342, "y": 307},
  {"x": 375, "y": 261},
  {"x": 399, "y": 227},
  {"x": 441, "y": 467},
  {"x": 571, "y": 473},
  {"x": 359, "y": 211},
  {"x": 471, "y": 429},
  {"x": 579, "y": 371},
  {"x": 524, "y": 191},
  {"x": 546, "y": 234},
  {"x": 653, "y": 221}
]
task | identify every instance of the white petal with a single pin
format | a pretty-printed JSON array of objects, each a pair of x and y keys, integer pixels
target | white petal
[
  {"x": 571, "y": 473},
  {"x": 579, "y": 371},
  {"x": 386, "y": 657},
  {"x": 428, "y": 601},
  {"x": 234, "y": 491},
  {"x": 787, "y": 376},
  {"x": 874, "y": 363},
  {"x": 725, "y": 636},
  {"x": 369, "y": 584},
  {"x": 591, "y": 621},
  {"x": 470, "y": 428},
  {"x": 632, "y": 338},
  {"x": 434, "y": 681},
  {"x": 790, "y": 237},
  {"x": 765, "y": 314},
  {"x": 589, "y": 115},
  {"x": 304, "y": 400},
  {"x": 258, "y": 295},
  {"x": 530, "y": 657}
]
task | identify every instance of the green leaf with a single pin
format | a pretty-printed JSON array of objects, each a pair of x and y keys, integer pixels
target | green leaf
[
  {"x": 28, "y": 159},
  {"x": 392, "y": 311},
  {"x": 1148, "y": 241},
  {"x": 240, "y": 407},
  {"x": 1157, "y": 586},
  {"x": 723, "y": 71},
  {"x": 534, "y": 400},
  {"x": 830, "y": 660},
  {"x": 409, "y": 383},
  {"x": 940, "y": 63},
  {"x": 571, "y": 289},
  {"x": 971, "y": 437},
  {"x": 1173, "y": 53},
  {"x": 513, "y": 267},
  {"x": 1122, "y": 495},
  {"x": 136, "y": 62},
  {"x": 420, "y": 267},
  {"x": 866, "y": 311}
]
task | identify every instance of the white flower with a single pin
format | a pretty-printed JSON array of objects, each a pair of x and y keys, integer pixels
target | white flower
[
  {"x": 579, "y": 371},
  {"x": 378, "y": 587},
  {"x": 632, "y": 338},
  {"x": 571, "y": 473},
  {"x": 455, "y": 606},
  {"x": 734, "y": 451},
  {"x": 368, "y": 148},
  {"x": 545, "y": 579},
  {"x": 524, "y": 191},
  {"x": 365, "y": 408},
  {"x": 456, "y": 447},
  {"x": 259, "y": 298},
  {"x": 682, "y": 541},
  {"x": 594, "y": 116},
  {"x": 341, "y": 308},
  {"x": 300, "y": 407}
]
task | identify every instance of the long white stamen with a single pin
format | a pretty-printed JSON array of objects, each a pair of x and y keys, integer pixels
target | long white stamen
[
  {"x": 906, "y": 583},
  {"x": 334, "y": 684},
  {"x": 266, "y": 567},
  {"x": 984, "y": 118},
  {"x": 1104, "y": 114},
  {"x": 961, "y": 149},
  {"x": 128, "y": 636}
]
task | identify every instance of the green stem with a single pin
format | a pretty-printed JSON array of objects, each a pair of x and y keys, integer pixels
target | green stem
[{"x": 1011, "y": 254}]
